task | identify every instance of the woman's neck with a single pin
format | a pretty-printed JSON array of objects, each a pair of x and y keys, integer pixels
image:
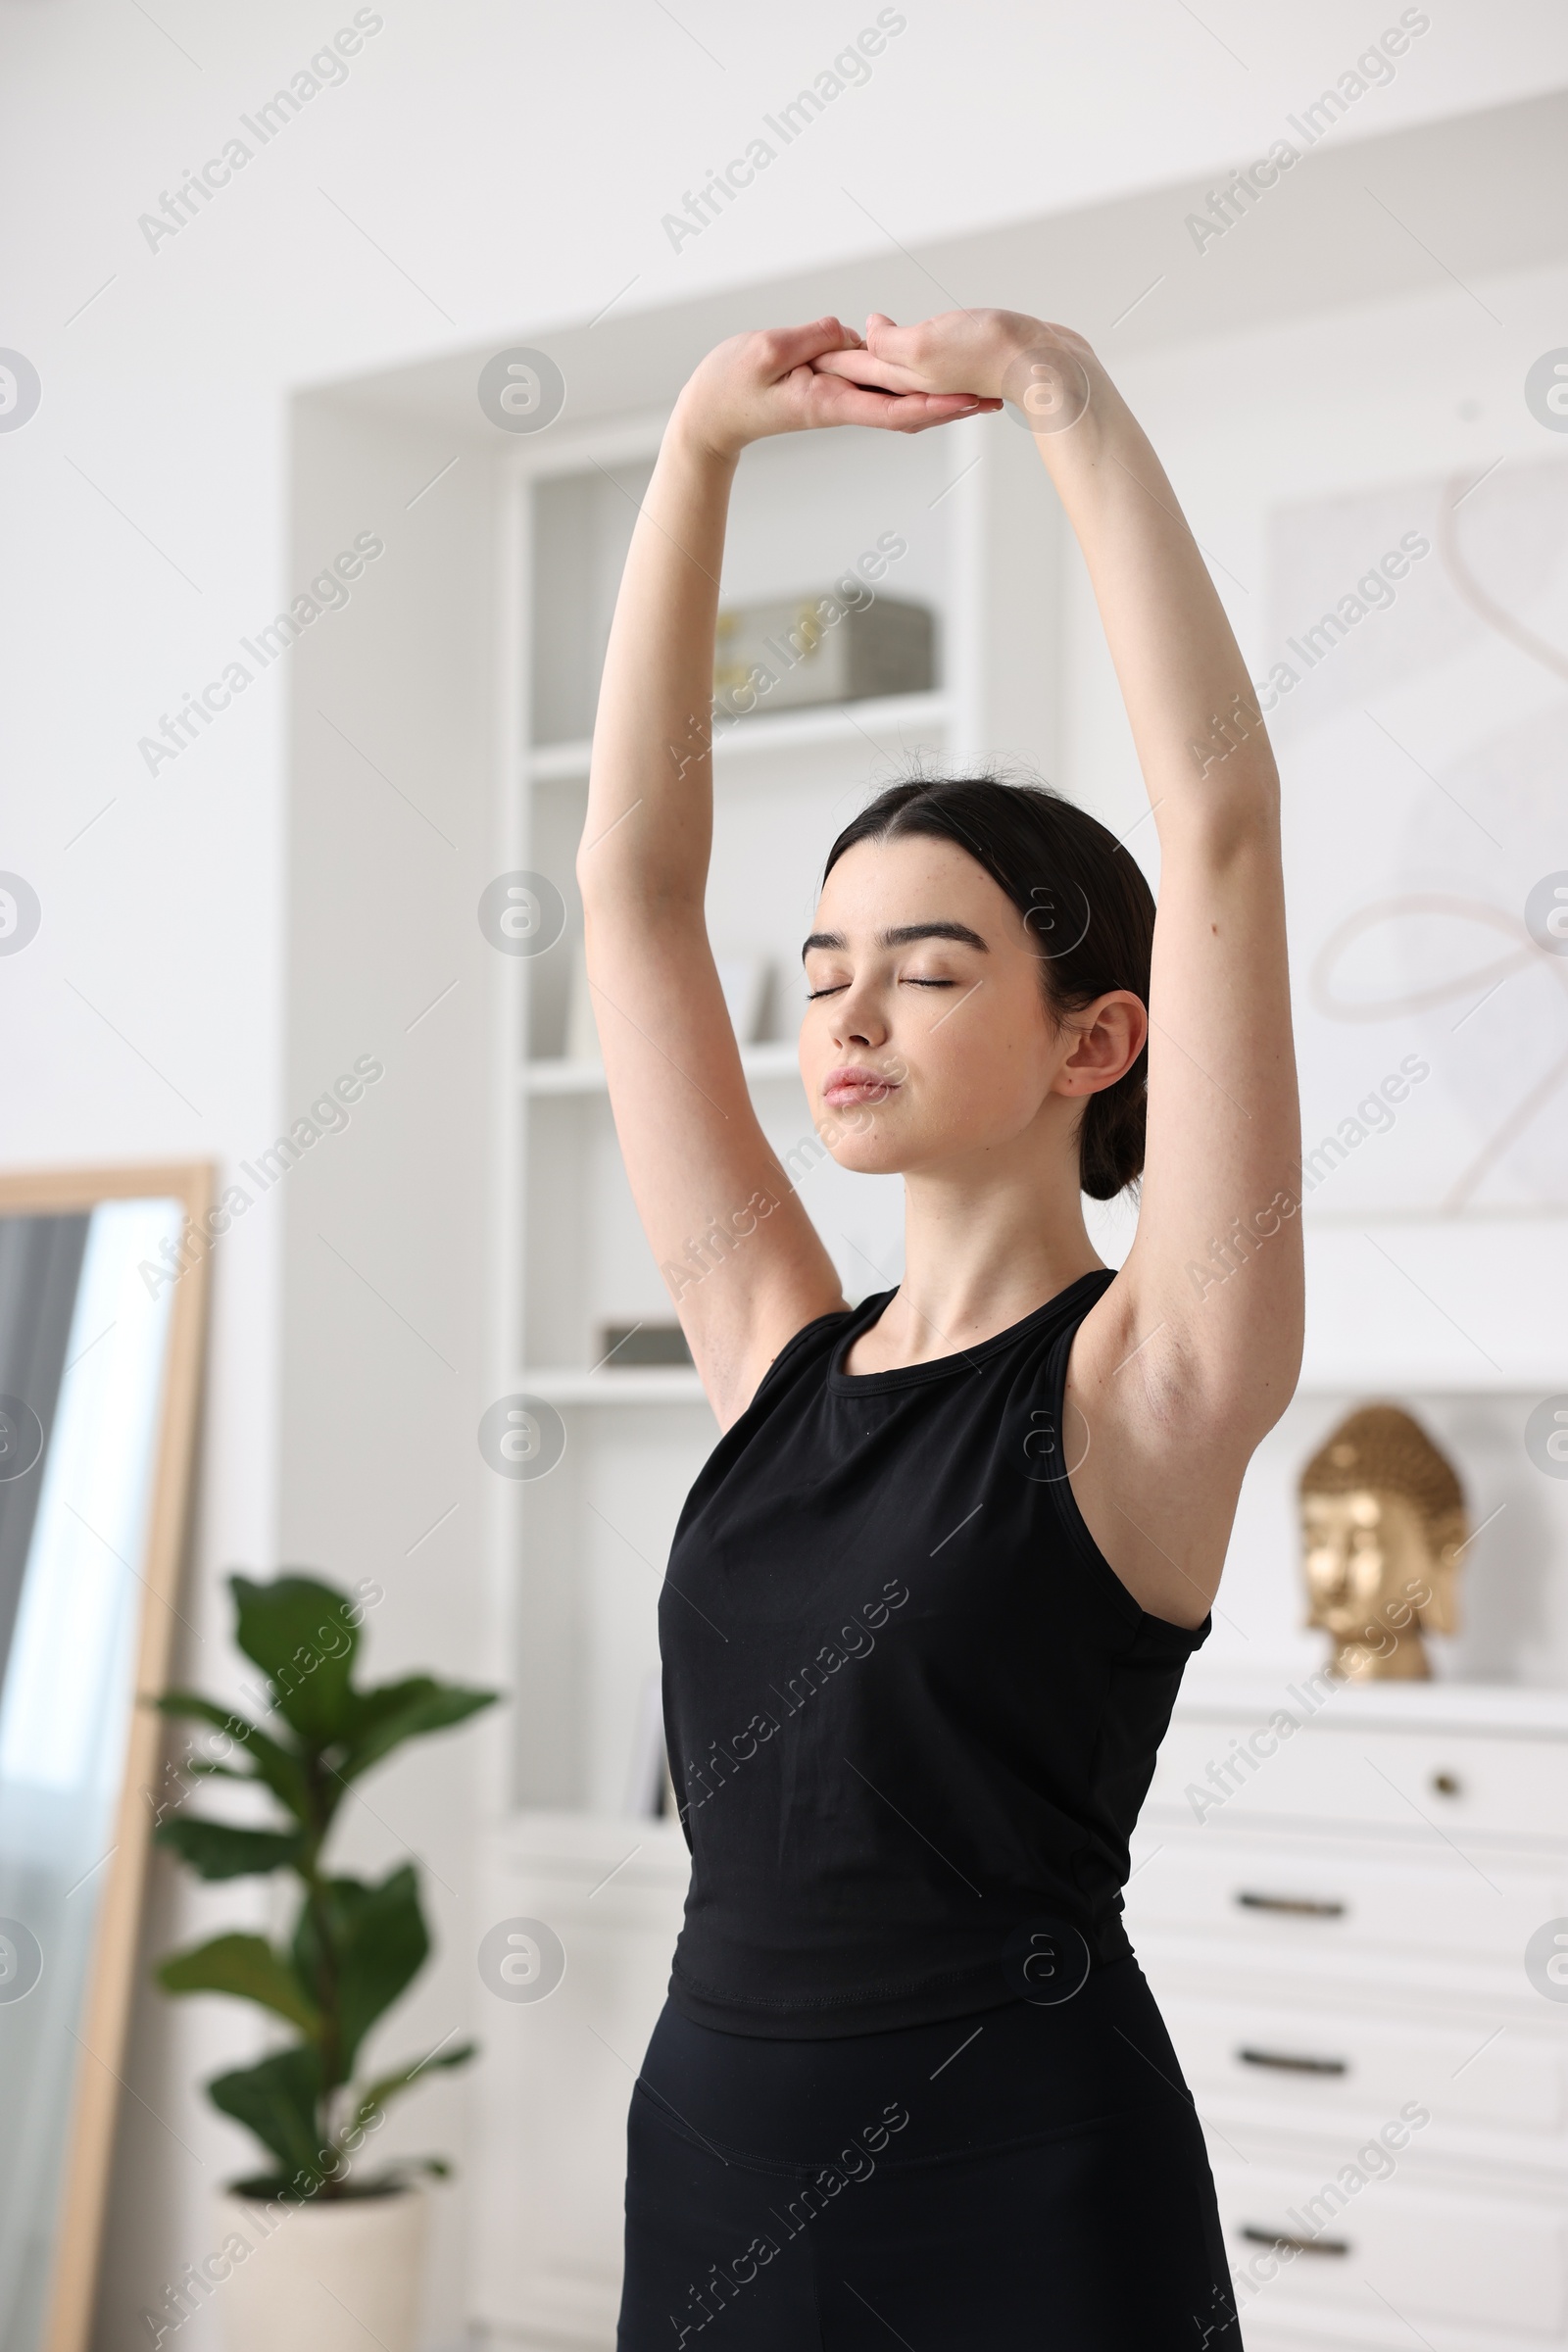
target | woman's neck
[{"x": 978, "y": 1257}]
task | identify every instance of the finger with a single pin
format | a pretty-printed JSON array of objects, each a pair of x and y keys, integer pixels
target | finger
[
  {"x": 836, "y": 402},
  {"x": 896, "y": 412},
  {"x": 918, "y": 411},
  {"x": 912, "y": 413},
  {"x": 885, "y": 337},
  {"x": 796, "y": 346},
  {"x": 864, "y": 368},
  {"x": 941, "y": 409}
]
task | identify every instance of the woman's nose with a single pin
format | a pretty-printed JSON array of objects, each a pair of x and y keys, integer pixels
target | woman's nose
[{"x": 860, "y": 1023}]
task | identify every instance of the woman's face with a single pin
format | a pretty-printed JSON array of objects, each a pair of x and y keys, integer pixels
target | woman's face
[{"x": 928, "y": 1040}]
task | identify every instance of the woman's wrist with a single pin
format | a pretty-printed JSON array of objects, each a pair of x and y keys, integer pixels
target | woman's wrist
[
  {"x": 698, "y": 438},
  {"x": 1081, "y": 416},
  {"x": 1059, "y": 387}
]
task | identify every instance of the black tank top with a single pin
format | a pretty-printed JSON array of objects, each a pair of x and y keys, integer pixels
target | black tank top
[{"x": 912, "y": 1710}]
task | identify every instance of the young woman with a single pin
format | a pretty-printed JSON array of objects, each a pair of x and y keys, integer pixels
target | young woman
[{"x": 930, "y": 1599}]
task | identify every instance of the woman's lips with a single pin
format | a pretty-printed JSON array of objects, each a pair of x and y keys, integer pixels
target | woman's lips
[{"x": 850, "y": 1085}]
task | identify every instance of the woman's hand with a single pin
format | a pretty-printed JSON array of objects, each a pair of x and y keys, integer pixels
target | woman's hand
[
  {"x": 772, "y": 382},
  {"x": 995, "y": 355}
]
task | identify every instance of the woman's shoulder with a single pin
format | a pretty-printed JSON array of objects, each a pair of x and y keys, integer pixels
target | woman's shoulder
[{"x": 809, "y": 1349}]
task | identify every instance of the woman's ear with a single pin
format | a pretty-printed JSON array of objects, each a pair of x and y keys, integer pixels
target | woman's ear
[{"x": 1112, "y": 1033}]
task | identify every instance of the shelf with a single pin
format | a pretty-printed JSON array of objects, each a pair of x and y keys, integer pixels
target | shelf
[
  {"x": 881, "y": 722},
  {"x": 650, "y": 1384},
  {"x": 760, "y": 1064},
  {"x": 1518, "y": 1710}
]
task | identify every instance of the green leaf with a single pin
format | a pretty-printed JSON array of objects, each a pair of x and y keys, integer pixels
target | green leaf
[
  {"x": 248, "y": 1968},
  {"x": 392, "y": 1712},
  {"x": 281, "y": 1771},
  {"x": 386, "y": 2086},
  {"x": 302, "y": 1635},
  {"x": 396, "y": 2174},
  {"x": 277, "y": 2101},
  {"x": 205, "y": 1710},
  {"x": 377, "y": 1943},
  {"x": 213, "y": 1851}
]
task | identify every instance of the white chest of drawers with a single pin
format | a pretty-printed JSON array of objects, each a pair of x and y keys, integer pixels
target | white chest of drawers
[{"x": 1335, "y": 1920}]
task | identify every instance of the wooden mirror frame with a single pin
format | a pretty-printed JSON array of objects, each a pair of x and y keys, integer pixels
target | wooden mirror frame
[{"x": 110, "y": 1970}]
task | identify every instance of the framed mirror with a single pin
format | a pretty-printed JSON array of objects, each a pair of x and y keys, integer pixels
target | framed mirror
[{"x": 102, "y": 1318}]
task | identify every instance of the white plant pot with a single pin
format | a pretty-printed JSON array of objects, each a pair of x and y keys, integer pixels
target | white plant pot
[{"x": 328, "y": 2277}]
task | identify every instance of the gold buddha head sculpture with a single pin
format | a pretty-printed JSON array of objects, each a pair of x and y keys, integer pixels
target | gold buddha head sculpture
[{"x": 1382, "y": 1525}]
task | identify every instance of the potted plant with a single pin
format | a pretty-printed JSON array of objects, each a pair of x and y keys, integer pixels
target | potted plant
[{"x": 318, "y": 2252}]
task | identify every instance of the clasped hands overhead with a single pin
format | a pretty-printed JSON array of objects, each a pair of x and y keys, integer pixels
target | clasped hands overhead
[{"x": 895, "y": 378}]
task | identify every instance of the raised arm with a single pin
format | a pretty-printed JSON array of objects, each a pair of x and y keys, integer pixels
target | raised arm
[
  {"x": 738, "y": 1254},
  {"x": 1194, "y": 1351}
]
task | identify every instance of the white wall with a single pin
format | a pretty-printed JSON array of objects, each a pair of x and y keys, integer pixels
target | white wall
[
  {"x": 485, "y": 173},
  {"x": 1423, "y": 385}
]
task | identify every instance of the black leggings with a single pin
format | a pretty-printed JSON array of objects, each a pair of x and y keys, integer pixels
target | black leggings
[{"x": 1027, "y": 2179}]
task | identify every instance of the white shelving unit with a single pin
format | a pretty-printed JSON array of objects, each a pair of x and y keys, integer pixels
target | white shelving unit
[
  {"x": 883, "y": 722},
  {"x": 581, "y": 1552},
  {"x": 649, "y": 1384},
  {"x": 559, "y": 1076}
]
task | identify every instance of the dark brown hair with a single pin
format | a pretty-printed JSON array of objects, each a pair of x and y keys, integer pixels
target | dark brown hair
[{"x": 1081, "y": 893}]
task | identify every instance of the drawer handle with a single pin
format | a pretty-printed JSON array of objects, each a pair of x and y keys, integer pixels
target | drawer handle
[
  {"x": 1300, "y": 1906},
  {"x": 1287, "y": 2063},
  {"x": 1283, "y": 2243}
]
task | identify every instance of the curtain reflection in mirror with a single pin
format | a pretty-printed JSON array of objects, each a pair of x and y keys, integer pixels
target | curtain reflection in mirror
[{"x": 83, "y": 1346}]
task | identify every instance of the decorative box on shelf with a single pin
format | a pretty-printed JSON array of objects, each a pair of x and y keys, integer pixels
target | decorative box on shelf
[{"x": 821, "y": 649}]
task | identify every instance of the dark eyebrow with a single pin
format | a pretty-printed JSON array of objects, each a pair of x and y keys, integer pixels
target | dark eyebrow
[{"x": 903, "y": 937}]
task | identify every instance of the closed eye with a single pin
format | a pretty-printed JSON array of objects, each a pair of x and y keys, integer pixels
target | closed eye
[{"x": 910, "y": 980}]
